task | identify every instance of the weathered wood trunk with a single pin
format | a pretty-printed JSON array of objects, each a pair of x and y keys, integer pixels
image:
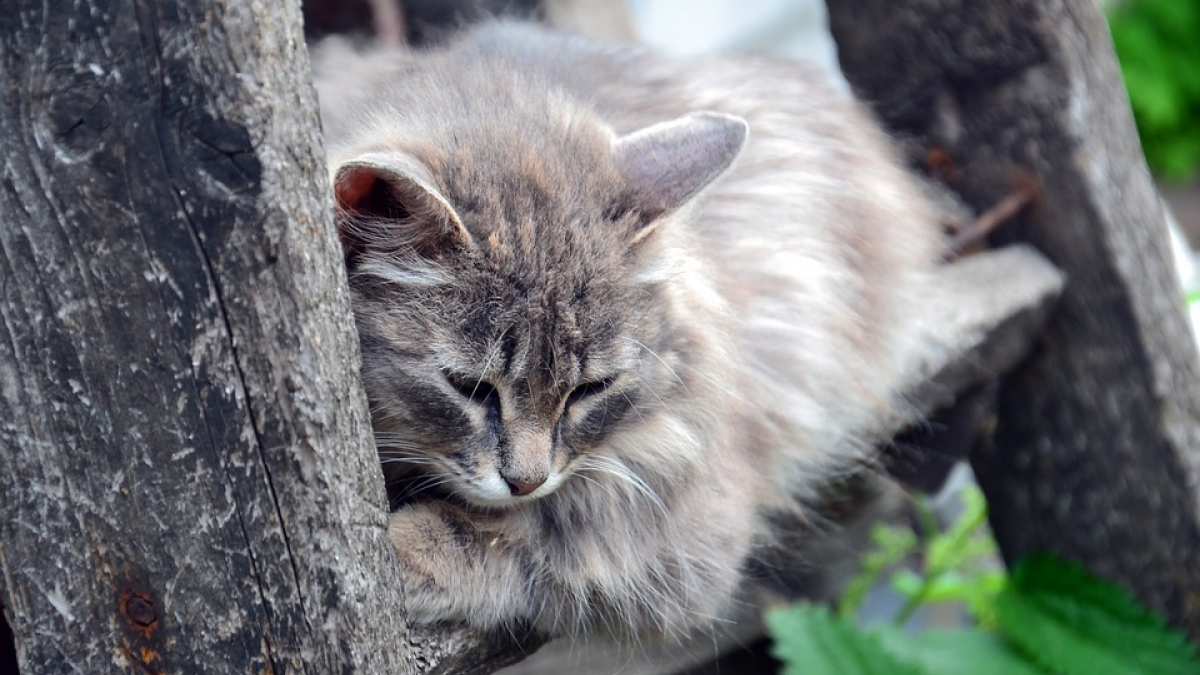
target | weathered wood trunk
[
  {"x": 186, "y": 478},
  {"x": 1096, "y": 454}
]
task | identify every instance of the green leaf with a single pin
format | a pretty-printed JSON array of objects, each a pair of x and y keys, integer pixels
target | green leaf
[
  {"x": 949, "y": 587},
  {"x": 958, "y": 562},
  {"x": 892, "y": 544},
  {"x": 958, "y": 545},
  {"x": 908, "y": 583},
  {"x": 1156, "y": 43},
  {"x": 982, "y": 600},
  {"x": 1075, "y": 624},
  {"x": 810, "y": 640},
  {"x": 956, "y": 652}
]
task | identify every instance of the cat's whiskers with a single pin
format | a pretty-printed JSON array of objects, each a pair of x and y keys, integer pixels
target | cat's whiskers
[
  {"x": 616, "y": 469},
  {"x": 580, "y": 473},
  {"x": 721, "y": 387},
  {"x": 396, "y": 445},
  {"x": 632, "y": 405},
  {"x": 665, "y": 600},
  {"x": 422, "y": 483},
  {"x": 397, "y": 441},
  {"x": 399, "y": 435},
  {"x": 653, "y": 392},
  {"x": 651, "y": 352},
  {"x": 382, "y": 413},
  {"x": 403, "y": 460},
  {"x": 397, "y": 448}
]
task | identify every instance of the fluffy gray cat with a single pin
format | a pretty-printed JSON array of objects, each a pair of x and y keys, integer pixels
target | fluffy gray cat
[{"x": 618, "y": 313}]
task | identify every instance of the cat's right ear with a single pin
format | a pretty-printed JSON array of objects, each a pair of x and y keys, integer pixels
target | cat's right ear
[
  {"x": 387, "y": 202},
  {"x": 667, "y": 164}
]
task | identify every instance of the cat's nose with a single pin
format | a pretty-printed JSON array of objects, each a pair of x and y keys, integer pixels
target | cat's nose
[{"x": 521, "y": 487}]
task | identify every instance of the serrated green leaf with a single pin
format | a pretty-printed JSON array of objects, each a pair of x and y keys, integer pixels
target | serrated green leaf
[
  {"x": 956, "y": 652},
  {"x": 1075, "y": 624},
  {"x": 810, "y": 640}
]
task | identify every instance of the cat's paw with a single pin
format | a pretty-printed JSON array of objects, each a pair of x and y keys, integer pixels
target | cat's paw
[{"x": 433, "y": 566}]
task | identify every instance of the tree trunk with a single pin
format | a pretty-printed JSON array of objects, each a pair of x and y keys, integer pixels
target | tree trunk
[
  {"x": 1096, "y": 454},
  {"x": 187, "y": 482}
]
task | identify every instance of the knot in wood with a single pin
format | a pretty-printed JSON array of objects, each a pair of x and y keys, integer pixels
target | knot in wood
[
  {"x": 77, "y": 114},
  {"x": 140, "y": 610}
]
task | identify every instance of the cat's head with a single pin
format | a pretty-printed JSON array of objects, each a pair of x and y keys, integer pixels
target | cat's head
[{"x": 513, "y": 297}]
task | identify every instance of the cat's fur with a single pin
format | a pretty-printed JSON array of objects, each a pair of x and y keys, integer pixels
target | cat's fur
[{"x": 525, "y": 214}]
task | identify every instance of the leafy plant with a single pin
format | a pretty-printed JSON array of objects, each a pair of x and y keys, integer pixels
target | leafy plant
[
  {"x": 957, "y": 563},
  {"x": 1070, "y": 622},
  {"x": 1049, "y": 617},
  {"x": 810, "y": 640},
  {"x": 1159, "y": 51}
]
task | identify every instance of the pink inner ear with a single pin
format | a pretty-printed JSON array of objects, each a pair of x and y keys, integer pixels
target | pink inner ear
[
  {"x": 353, "y": 186},
  {"x": 381, "y": 206}
]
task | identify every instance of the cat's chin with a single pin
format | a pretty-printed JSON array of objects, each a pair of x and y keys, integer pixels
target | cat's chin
[
  {"x": 505, "y": 503},
  {"x": 494, "y": 493}
]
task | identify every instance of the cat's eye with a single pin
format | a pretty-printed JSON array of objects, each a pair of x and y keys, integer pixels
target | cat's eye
[
  {"x": 590, "y": 389},
  {"x": 472, "y": 388}
]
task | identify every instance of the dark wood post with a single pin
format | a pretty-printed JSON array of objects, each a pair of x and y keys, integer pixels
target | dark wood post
[
  {"x": 186, "y": 478},
  {"x": 1096, "y": 454}
]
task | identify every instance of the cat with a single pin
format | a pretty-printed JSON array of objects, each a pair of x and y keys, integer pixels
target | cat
[{"x": 618, "y": 313}]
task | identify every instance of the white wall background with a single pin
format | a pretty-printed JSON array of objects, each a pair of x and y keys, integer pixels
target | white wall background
[{"x": 786, "y": 27}]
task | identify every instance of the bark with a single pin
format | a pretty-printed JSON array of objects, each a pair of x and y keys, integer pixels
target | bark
[
  {"x": 187, "y": 481},
  {"x": 1096, "y": 454}
]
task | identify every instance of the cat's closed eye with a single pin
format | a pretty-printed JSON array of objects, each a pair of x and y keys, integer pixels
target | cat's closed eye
[
  {"x": 590, "y": 389},
  {"x": 473, "y": 389}
]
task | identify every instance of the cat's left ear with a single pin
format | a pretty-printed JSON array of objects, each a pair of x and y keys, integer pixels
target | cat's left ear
[
  {"x": 388, "y": 200},
  {"x": 669, "y": 163}
]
